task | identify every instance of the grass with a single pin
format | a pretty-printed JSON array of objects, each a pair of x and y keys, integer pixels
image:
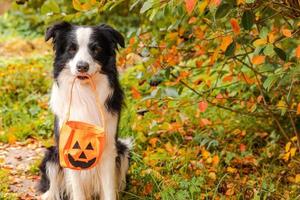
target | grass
[
  {"x": 4, "y": 186},
  {"x": 175, "y": 156}
]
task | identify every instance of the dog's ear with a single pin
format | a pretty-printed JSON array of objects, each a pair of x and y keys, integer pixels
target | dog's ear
[
  {"x": 52, "y": 31},
  {"x": 113, "y": 35}
]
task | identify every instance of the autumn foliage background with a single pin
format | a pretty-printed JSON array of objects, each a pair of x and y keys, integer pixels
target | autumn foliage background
[{"x": 212, "y": 91}]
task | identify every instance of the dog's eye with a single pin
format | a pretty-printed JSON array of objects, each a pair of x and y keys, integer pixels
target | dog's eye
[
  {"x": 72, "y": 49},
  {"x": 96, "y": 49}
]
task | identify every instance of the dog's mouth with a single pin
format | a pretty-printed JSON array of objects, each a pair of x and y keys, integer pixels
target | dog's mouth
[{"x": 82, "y": 77}]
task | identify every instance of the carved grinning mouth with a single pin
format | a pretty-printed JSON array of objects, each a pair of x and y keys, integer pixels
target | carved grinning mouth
[{"x": 81, "y": 164}]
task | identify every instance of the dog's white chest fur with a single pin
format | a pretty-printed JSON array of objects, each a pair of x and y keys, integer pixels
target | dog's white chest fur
[{"x": 84, "y": 108}]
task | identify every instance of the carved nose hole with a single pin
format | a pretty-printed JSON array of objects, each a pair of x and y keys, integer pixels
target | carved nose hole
[{"x": 82, "y": 155}]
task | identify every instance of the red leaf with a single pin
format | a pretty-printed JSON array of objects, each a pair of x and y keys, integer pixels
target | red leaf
[
  {"x": 298, "y": 52},
  {"x": 190, "y": 5},
  {"x": 135, "y": 93},
  {"x": 202, "y": 106},
  {"x": 298, "y": 109},
  {"x": 235, "y": 26},
  {"x": 242, "y": 147}
]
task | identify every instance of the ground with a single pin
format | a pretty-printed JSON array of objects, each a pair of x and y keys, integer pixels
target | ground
[{"x": 20, "y": 161}]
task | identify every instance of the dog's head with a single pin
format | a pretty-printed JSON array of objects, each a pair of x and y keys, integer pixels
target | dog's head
[{"x": 83, "y": 50}]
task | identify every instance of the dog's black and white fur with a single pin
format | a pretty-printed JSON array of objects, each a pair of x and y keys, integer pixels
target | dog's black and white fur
[{"x": 81, "y": 50}]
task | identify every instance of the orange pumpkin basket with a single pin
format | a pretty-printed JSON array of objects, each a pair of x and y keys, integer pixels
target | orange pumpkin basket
[{"x": 81, "y": 144}]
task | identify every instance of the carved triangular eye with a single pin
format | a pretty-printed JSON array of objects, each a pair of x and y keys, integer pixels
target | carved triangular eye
[
  {"x": 82, "y": 155},
  {"x": 89, "y": 147},
  {"x": 76, "y": 145}
]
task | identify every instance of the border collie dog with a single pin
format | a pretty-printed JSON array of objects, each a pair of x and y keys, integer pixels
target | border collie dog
[{"x": 81, "y": 51}]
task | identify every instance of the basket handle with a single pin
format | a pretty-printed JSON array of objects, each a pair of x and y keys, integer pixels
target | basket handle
[{"x": 100, "y": 108}]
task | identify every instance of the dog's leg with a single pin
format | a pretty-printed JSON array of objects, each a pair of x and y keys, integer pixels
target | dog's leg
[
  {"x": 107, "y": 171},
  {"x": 122, "y": 161},
  {"x": 75, "y": 188},
  {"x": 51, "y": 183}
]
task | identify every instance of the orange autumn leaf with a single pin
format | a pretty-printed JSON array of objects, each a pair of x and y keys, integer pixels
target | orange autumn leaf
[
  {"x": 153, "y": 142},
  {"x": 199, "y": 63},
  {"x": 135, "y": 93},
  {"x": 226, "y": 41},
  {"x": 131, "y": 40},
  {"x": 215, "y": 2},
  {"x": 148, "y": 189},
  {"x": 286, "y": 32},
  {"x": 190, "y": 5},
  {"x": 298, "y": 109},
  {"x": 192, "y": 20},
  {"x": 228, "y": 78},
  {"x": 215, "y": 160},
  {"x": 298, "y": 52},
  {"x": 214, "y": 56},
  {"x": 11, "y": 139},
  {"x": 235, "y": 26},
  {"x": 257, "y": 60},
  {"x": 205, "y": 122},
  {"x": 202, "y": 105}
]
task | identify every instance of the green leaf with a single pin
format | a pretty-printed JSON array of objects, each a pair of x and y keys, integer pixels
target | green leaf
[
  {"x": 280, "y": 53},
  {"x": 270, "y": 81},
  {"x": 146, "y": 6},
  {"x": 230, "y": 49},
  {"x": 223, "y": 10},
  {"x": 50, "y": 6},
  {"x": 248, "y": 19},
  {"x": 268, "y": 51}
]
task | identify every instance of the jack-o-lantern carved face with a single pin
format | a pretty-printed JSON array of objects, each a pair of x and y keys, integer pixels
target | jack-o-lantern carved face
[
  {"x": 80, "y": 148},
  {"x": 80, "y": 157}
]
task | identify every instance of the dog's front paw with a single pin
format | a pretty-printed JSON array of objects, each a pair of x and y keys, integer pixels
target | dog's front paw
[{"x": 48, "y": 196}]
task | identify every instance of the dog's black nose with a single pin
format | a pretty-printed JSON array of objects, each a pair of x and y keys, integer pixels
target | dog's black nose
[{"x": 82, "y": 66}]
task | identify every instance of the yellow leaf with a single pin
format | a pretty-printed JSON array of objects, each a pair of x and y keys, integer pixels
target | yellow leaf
[
  {"x": 286, "y": 32},
  {"x": 259, "y": 42},
  {"x": 297, "y": 178},
  {"x": 288, "y": 146},
  {"x": 281, "y": 104},
  {"x": 212, "y": 175},
  {"x": 11, "y": 139},
  {"x": 202, "y": 6},
  {"x": 294, "y": 139},
  {"x": 293, "y": 151},
  {"x": 240, "y": 2},
  {"x": 77, "y": 5},
  {"x": 226, "y": 41},
  {"x": 257, "y": 60},
  {"x": 286, "y": 156},
  {"x": 231, "y": 170},
  {"x": 271, "y": 37},
  {"x": 205, "y": 154}
]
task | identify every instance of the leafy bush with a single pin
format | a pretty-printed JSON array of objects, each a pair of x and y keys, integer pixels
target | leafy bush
[{"x": 212, "y": 92}]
